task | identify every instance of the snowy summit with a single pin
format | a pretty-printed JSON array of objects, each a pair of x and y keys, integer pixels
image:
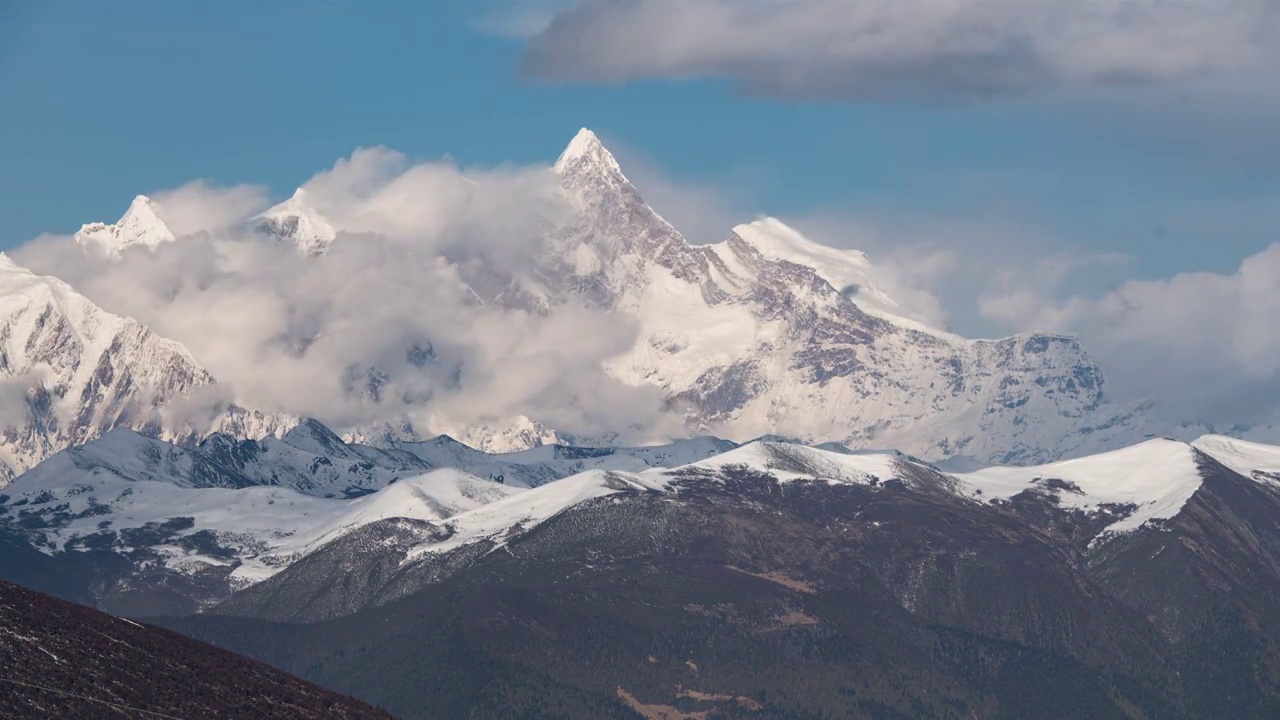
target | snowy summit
[
  {"x": 296, "y": 221},
  {"x": 140, "y": 225}
]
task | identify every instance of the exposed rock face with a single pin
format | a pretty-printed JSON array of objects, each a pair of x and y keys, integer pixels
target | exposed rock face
[{"x": 72, "y": 371}]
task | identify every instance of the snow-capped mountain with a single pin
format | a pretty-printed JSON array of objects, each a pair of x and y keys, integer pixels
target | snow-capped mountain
[
  {"x": 253, "y": 531},
  {"x": 311, "y": 459},
  {"x": 248, "y": 510},
  {"x": 308, "y": 459},
  {"x": 866, "y": 571},
  {"x": 139, "y": 226},
  {"x": 1256, "y": 460},
  {"x": 1111, "y": 502},
  {"x": 769, "y": 332},
  {"x": 71, "y": 371},
  {"x": 764, "y": 332},
  {"x": 228, "y": 513},
  {"x": 296, "y": 222}
]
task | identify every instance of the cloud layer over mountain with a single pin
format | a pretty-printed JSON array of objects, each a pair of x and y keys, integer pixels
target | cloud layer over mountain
[{"x": 380, "y": 326}]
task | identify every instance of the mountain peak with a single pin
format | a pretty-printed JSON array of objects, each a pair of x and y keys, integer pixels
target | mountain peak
[
  {"x": 586, "y": 151},
  {"x": 142, "y": 220},
  {"x": 140, "y": 225},
  {"x": 296, "y": 221},
  {"x": 141, "y": 206}
]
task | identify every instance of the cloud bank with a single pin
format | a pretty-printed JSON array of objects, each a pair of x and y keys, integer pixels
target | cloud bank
[
  {"x": 1207, "y": 345},
  {"x": 932, "y": 50},
  {"x": 381, "y": 327}
]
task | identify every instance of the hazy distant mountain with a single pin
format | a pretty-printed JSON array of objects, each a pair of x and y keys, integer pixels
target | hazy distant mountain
[
  {"x": 139, "y": 226},
  {"x": 70, "y": 371},
  {"x": 295, "y": 222}
]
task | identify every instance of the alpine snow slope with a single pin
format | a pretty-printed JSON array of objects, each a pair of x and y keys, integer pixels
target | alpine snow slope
[
  {"x": 70, "y": 371},
  {"x": 781, "y": 580},
  {"x": 155, "y": 527},
  {"x": 765, "y": 332}
]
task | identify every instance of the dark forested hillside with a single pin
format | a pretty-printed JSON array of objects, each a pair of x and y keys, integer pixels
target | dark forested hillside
[{"x": 60, "y": 660}]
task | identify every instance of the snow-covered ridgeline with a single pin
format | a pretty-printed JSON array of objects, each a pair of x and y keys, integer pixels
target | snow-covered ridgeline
[{"x": 262, "y": 529}]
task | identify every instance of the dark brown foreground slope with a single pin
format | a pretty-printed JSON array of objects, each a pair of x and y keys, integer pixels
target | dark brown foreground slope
[{"x": 61, "y": 660}]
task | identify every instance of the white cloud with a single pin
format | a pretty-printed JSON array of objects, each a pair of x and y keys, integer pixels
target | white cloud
[
  {"x": 381, "y": 326},
  {"x": 522, "y": 19},
  {"x": 199, "y": 206},
  {"x": 14, "y": 396},
  {"x": 1207, "y": 345},
  {"x": 952, "y": 50}
]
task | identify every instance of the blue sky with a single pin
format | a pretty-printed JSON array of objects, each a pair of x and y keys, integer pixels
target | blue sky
[{"x": 103, "y": 100}]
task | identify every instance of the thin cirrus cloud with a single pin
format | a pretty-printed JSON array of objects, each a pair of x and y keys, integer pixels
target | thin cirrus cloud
[{"x": 930, "y": 50}]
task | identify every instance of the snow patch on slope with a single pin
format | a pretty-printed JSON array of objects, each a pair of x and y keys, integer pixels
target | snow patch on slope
[
  {"x": 788, "y": 462},
  {"x": 1157, "y": 476},
  {"x": 520, "y": 513},
  {"x": 1251, "y": 459},
  {"x": 265, "y": 528}
]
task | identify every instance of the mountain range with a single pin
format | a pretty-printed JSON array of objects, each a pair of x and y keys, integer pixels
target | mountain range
[
  {"x": 1029, "y": 549},
  {"x": 766, "y": 332}
]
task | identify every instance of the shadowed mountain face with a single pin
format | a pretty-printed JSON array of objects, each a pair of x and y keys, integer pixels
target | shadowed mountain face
[{"x": 68, "y": 661}]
